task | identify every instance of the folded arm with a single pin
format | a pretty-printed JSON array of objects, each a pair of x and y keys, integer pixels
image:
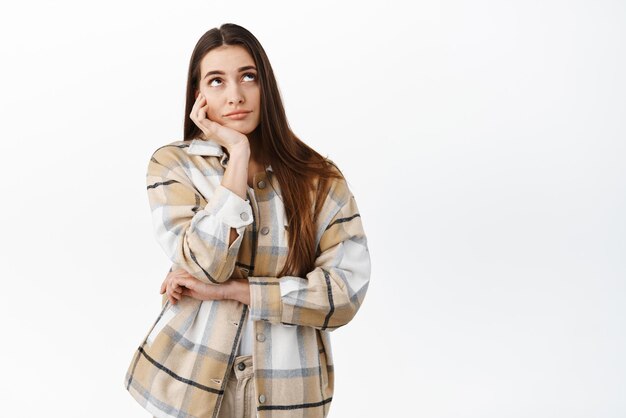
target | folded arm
[
  {"x": 195, "y": 232},
  {"x": 330, "y": 295}
]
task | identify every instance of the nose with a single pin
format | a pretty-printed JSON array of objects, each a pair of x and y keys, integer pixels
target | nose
[{"x": 235, "y": 95}]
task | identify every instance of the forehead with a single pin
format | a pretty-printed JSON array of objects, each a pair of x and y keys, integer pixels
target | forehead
[{"x": 225, "y": 58}]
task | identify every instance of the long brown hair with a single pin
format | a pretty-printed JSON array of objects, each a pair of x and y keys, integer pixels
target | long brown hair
[{"x": 303, "y": 174}]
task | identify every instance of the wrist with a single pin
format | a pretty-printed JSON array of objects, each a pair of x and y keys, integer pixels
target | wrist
[
  {"x": 240, "y": 149},
  {"x": 239, "y": 290}
]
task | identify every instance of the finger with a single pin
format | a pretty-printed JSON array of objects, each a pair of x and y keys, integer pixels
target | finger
[
  {"x": 202, "y": 102},
  {"x": 198, "y": 115},
  {"x": 178, "y": 274},
  {"x": 179, "y": 288},
  {"x": 175, "y": 292},
  {"x": 170, "y": 291},
  {"x": 199, "y": 99},
  {"x": 173, "y": 287},
  {"x": 199, "y": 105},
  {"x": 182, "y": 273},
  {"x": 191, "y": 293},
  {"x": 167, "y": 282},
  {"x": 202, "y": 113},
  {"x": 210, "y": 127},
  {"x": 187, "y": 282},
  {"x": 195, "y": 107}
]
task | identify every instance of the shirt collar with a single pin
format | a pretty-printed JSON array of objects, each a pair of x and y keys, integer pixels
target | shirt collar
[{"x": 212, "y": 148}]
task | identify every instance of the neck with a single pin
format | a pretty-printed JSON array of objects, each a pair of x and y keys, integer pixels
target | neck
[{"x": 254, "y": 139}]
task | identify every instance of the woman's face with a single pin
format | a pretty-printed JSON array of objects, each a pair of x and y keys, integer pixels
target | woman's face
[{"x": 228, "y": 81}]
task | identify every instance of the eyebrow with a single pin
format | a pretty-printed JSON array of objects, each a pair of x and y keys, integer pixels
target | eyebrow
[{"x": 247, "y": 67}]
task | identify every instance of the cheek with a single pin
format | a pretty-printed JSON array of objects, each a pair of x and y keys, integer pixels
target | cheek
[
  {"x": 212, "y": 114},
  {"x": 253, "y": 95},
  {"x": 212, "y": 110},
  {"x": 257, "y": 97},
  {"x": 257, "y": 118}
]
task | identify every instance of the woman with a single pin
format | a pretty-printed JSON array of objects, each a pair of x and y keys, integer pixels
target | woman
[{"x": 269, "y": 253}]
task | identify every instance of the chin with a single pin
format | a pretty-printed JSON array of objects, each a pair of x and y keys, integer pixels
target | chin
[{"x": 243, "y": 129}]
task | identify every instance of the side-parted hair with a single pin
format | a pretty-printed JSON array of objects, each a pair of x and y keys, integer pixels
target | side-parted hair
[{"x": 303, "y": 174}]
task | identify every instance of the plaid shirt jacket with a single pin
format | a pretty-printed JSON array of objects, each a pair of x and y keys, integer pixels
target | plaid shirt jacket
[{"x": 182, "y": 365}]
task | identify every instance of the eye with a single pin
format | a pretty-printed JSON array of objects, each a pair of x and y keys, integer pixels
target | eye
[
  {"x": 213, "y": 79},
  {"x": 220, "y": 80}
]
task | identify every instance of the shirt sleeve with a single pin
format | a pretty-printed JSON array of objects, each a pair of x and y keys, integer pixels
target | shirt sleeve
[
  {"x": 194, "y": 229},
  {"x": 330, "y": 295}
]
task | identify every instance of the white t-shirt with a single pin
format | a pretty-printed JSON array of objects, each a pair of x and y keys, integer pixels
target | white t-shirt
[{"x": 247, "y": 332}]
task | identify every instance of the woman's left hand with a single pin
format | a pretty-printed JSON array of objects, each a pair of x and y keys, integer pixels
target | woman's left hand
[{"x": 179, "y": 283}]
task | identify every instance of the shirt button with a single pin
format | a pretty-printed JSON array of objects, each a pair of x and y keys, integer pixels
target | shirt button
[
  {"x": 265, "y": 230},
  {"x": 261, "y": 398},
  {"x": 241, "y": 366},
  {"x": 260, "y": 337},
  {"x": 244, "y": 216},
  {"x": 261, "y": 184}
]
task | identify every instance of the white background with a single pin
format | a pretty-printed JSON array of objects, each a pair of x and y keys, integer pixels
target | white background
[{"x": 484, "y": 142}]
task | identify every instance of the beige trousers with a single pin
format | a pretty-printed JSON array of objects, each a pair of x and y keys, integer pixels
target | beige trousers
[{"x": 240, "y": 394}]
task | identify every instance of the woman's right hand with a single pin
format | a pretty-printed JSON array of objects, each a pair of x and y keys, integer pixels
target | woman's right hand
[
  {"x": 226, "y": 137},
  {"x": 179, "y": 283}
]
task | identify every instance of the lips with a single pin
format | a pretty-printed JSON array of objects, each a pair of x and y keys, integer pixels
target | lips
[
  {"x": 238, "y": 115},
  {"x": 238, "y": 112}
]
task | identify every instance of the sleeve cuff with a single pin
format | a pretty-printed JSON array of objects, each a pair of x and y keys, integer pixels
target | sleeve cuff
[
  {"x": 265, "y": 301},
  {"x": 229, "y": 207}
]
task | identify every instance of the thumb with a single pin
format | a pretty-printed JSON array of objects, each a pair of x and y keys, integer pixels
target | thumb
[{"x": 186, "y": 282}]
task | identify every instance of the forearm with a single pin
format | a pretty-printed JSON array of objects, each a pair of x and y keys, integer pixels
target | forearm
[
  {"x": 237, "y": 289},
  {"x": 194, "y": 230},
  {"x": 329, "y": 296},
  {"x": 236, "y": 175}
]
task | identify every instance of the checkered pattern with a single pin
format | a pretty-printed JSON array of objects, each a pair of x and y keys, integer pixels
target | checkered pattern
[{"x": 181, "y": 367}]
